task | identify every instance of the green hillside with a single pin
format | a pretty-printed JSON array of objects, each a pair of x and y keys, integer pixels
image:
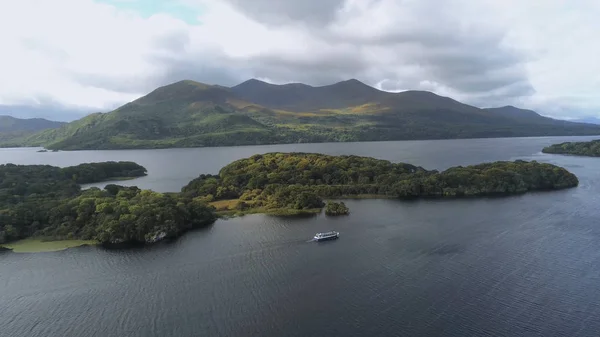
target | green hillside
[
  {"x": 13, "y": 131},
  {"x": 192, "y": 114},
  {"x": 180, "y": 115},
  {"x": 12, "y": 124},
  {"x": 587, "y": 149},
  {"x": 288, "y": 183}
]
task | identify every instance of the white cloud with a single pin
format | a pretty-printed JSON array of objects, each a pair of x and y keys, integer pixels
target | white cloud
[
  {"x": 81, "y": 53},
  {"x": 48, "y": 41}
]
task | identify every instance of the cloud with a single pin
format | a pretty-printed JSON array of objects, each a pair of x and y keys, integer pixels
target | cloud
[
  {"x": 49, "y": 110},
  {"x": 486, "y": 53},
  {"x": 281, "y": 12}
]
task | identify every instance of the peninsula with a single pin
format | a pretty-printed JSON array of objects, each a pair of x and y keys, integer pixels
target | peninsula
[
  {"x": 47, "y": 202},
  {"x": 44, "y": 203},
  {"x": 288, "y": 183},
  {"x": 588, "y": 149}
]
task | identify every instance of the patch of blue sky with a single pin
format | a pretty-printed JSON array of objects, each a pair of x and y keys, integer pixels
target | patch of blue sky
[{"x": 147, "y": 8}]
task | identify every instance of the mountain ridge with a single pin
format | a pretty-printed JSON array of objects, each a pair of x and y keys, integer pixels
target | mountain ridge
[
  {"x": 587, "y": 120},
  {"x": 10, "y": 123},
  {"x": 190, "y": 114},
  {"x": 13, "y": 130}
]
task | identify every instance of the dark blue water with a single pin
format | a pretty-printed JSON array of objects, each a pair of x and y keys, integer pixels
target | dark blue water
[{"x": 519, "y": 266}]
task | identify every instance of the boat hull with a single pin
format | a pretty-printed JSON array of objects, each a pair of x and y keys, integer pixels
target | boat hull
[{"x": 328, "y": 238}]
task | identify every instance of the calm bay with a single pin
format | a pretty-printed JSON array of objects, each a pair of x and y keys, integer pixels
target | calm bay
[{"x": 518, "y": 266}]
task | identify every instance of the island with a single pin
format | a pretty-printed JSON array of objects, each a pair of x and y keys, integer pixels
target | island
[
  {"x": 293, "y": 183},
  {"x": 336, "y": 208},
  {"x": 41, "y": 205},
  {"x": 588, "y": 149}
]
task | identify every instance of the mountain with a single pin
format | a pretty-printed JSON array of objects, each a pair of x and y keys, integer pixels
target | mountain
[
  {"x": 588, "y": 120},
  {"x": 15, "y": 129},
  {"x": 190, "y": 114},
  {"x": 300, "y": 97},
  {"x": 182, "y": 114},
  {"x": 522, "y": 115},
  {"x": 512, "y": 112},
  {"x": 12, "y": 124},
  {"x": 48, "y": 110}
]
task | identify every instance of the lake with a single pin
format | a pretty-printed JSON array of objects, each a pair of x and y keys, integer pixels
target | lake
[{"x": 519, "y": 266}]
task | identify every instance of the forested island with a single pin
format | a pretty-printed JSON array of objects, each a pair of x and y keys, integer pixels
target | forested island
[
  {"x": 588, "y": 149},
  {"x": 47, "y": 202},
  {"x": 40, "y": 201},
  {"x": 336, "y": 208},
  {"x": 284, "y": 183}
]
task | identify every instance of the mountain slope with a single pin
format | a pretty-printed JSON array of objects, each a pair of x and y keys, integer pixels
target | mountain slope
[
  {"x": 13, "y": 130},
  {"x": 12, "y": 124},
  {"x": 301, "y": 97},
  {"x": 189, "y": 114},
  {"x": 517, "y": 113},
  {"x": 182, "y": 114},
  {"x": 588, "y": 120},
  {"x": 530, "y": 116}
]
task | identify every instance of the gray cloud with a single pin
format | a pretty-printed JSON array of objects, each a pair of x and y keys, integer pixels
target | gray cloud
[
  {"x": 48, "y": 111},
  {"x": 442, "y": 54},
  {"x": 211, "y": 67},
  {"x": 168, "y": 49},
  {"x": 172, "y": 42},
  {"x": 210, "y": 71},
  {"x": 122, "y": 84},
  {"x": 316, "y": 68},
  {"x": 282, "y": 12},
  {"x": 45, "y": 49},
  {"x": 471, "y": 60}
]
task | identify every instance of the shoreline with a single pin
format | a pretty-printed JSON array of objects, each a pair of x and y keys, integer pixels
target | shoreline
[
  {"x": 40, "y": 245},
  {"x": 295, "y": 143},
  {"x": 225, "y": 209}
]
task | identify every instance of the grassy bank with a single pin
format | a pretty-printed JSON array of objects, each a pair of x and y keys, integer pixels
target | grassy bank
[
  {"x": 41, "y": 245},
  {"x": 363, "y": 196},
  {"x": 229, "y": 208}
]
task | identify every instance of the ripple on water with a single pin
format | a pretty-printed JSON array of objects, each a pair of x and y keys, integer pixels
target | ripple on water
[{"x": 520, "y": 266}]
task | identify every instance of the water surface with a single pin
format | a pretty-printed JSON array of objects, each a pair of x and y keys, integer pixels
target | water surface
[
  {"x": 520, "y": 266},
  {"x": 170, "y": 169}
]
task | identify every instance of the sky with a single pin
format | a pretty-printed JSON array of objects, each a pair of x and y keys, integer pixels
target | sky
[{"x": 62, "y": 59}]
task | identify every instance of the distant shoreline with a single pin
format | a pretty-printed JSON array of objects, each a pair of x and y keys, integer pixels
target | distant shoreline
[
  {"x": 304, "y": 143},
  {"x": 581, "y": 149}
]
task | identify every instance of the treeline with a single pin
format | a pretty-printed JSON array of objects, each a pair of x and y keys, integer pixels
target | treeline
[
  {"x": 96, "y": 172},
  {"x": 336, "y": 208},
  {"x": 46, "y": 201},
  {"x": 20, "y": 181},
  {"x": 300, "y": 180},
  {"x": 589, "y": 149}
]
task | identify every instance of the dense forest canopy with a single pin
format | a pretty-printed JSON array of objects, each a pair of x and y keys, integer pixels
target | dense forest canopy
[
  {"x": 46, "y": 201},
  {"x": 14, "y": 131},
  {"x": 589, "y": 149},
  {"x": 20, "y": 181},
  {"x": 96, "y": 172},
  {"x": 300, "y": 180},
  {"x": 336, "y": 208}
]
